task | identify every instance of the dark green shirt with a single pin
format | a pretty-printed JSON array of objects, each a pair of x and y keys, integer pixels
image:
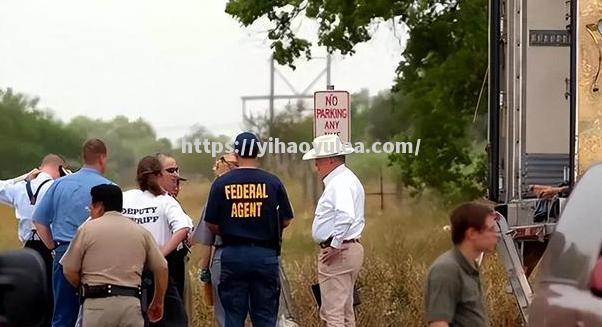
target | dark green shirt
[{"x": 453, "y": 292}]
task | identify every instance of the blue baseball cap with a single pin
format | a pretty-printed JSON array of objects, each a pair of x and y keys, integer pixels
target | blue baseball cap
[{"x": 246, "y": 145}]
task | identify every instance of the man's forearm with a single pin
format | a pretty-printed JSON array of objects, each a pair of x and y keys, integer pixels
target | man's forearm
[
  {"x": 205, "y": 255},
  {"x": 214, "y": 228},
  {"x": 342, "y": 224},
  {"x": 177, "y": 238},
  {"x": 160, "y": 278},
  {"x": 45, "y": 234},
  {"x": 72, "y": 277}
]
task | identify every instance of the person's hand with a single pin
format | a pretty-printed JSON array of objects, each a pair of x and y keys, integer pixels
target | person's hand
[
  {"x": 189, "y": 240},
  {"x": 327, "y": 254},
  {"x": 32, "y": 174},
  {"x": 155, "y": 311}
]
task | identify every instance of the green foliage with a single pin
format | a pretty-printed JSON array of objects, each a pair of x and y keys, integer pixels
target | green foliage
[
  {"x": 197, "y": 164},
  {"x": 342, "y": 23},
  {"x": 438, "y": 83},
  {"x": 127, "y": 142},
  {"x": 28, "y": 133},
  {"x": 440, "y": 77}
]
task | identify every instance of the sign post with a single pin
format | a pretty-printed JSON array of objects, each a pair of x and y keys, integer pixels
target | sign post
[{"x": 332, "y": 114}]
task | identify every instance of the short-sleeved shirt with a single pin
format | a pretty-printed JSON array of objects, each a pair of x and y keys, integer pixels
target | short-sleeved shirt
[
  {"x": 248, "y": 203},
  {"x": 161, "y": 215},
  {"x": 15, "y": 195},
  {"x": 203, "y": 234},
  {"x": 112, "y": 250},
  {"x": 63, "y": 208},
  {"x": 453, "y": 292}
]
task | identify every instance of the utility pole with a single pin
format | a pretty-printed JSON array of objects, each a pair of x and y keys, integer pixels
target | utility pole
[
  {"x": 271, "y": 107},
  {"x": 272, "y": 96},
  {"x": 328, "y": 70}
]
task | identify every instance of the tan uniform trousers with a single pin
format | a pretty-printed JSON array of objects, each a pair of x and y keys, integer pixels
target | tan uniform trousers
[
  {"x": 113, "y": 311},
  {"x": 337, "y": 279}
]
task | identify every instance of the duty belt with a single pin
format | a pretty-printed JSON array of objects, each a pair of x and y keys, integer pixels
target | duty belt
[{"x": 107, "y": 290}]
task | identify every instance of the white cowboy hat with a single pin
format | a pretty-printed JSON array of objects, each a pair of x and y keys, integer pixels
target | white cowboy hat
[{"x": 326, "y": 146}]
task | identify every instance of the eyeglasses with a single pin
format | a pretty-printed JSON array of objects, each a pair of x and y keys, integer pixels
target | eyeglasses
[
  {"x": 229, "y": 163},
  {"x": 172, "y": 170}
]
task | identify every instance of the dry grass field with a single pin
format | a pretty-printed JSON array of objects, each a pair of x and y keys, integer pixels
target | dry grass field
[{"x": 400, "y": 242}]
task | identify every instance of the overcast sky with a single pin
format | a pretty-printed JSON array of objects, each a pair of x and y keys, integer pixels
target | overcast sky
[{"x": 173, "y": 63}]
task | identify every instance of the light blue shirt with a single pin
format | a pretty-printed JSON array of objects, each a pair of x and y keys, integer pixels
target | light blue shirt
[
  {"x": 15, "y": 195},
  {"x": 63, "y": 208}
]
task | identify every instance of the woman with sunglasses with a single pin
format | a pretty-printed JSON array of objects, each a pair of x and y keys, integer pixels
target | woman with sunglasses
[
  {"x": 170, "y": 182},
  {"x": 154, "y": 209},
  {"x": 170, "y": 173}
]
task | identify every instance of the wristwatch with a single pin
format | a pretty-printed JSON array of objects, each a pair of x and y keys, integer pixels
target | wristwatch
[{"x": 205, "y": 275}]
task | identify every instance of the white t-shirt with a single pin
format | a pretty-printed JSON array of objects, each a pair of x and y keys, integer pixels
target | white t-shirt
[{"x": 161, "y": 215}]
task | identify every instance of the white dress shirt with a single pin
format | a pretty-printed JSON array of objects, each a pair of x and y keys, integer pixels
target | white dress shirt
[
  {"x": 340, "y": 210},
  {"x": 14, "y": 193}
]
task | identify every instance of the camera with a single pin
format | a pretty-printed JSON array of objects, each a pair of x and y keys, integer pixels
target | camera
[{"x": 24, "y": 294}]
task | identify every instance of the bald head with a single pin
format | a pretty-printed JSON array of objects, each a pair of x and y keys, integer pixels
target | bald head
[
  {"x": 51, "y": 165},
  {"x": 52, "y": 159}
]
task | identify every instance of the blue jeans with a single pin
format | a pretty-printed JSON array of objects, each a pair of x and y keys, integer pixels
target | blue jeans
[
  {"x": 66, "y": 302},
  {"x": 249, "y": 284},
  {"x": 216, "y": 267}
]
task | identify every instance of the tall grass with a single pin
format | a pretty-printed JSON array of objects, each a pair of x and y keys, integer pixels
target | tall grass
[{"x": 400, "y": 242}]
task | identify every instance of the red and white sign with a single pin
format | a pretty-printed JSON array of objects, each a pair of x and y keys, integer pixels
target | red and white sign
[{"x": 332, "y": 114}]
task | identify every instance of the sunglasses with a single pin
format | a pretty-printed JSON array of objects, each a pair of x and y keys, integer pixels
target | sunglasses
[
  {"x": 229, "y": 163},
  {"x": 172, "y": 170}
]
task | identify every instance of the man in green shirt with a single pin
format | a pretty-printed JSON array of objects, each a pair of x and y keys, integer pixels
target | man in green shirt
[{"x": 453, "y": 295}]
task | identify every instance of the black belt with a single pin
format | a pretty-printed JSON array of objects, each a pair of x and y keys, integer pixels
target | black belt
[
  {"x": 326, "y": 243},
  {"x": 233, "y": 240},
  {"x": 34, "y": 236},
  {"x": 103, "y": 291}
]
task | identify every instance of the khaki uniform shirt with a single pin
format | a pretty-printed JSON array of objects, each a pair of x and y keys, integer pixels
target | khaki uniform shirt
[{"x": 112, "y": 249}]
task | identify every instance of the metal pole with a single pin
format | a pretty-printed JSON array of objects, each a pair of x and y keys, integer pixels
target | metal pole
[
  {"x": 573, "y": 95},
  {"x": 382, "y": 193},
  {"x": 272, "y": 73},
  {"x": 328, "y": 81},
  {"x": 494, "y": 101}
]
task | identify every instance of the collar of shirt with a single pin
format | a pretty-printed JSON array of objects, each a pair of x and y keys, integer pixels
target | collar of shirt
[
  {"x": 90, "y": 170},
  {"x": 42, "y": 176},
  {"x": 464, "y": 263},
  {"x": 334, "y": 173},
  {"x": 112, "y": 213}
]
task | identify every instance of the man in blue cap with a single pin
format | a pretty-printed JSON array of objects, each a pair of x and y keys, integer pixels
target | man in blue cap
[{"x": 249, "y": 207}]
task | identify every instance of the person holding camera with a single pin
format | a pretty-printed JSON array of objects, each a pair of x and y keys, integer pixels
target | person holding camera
[{"x": 23, "y": 193}]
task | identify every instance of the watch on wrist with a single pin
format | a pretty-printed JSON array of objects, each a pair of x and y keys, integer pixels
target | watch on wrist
[{"x": 205, "y": 275}]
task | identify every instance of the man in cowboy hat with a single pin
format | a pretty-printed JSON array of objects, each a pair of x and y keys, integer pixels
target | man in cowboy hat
[{"x": 337, "y": 227}]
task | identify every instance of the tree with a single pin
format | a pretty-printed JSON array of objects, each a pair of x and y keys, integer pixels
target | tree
[
  {"x": 127, "y": 142},
  {"x": 438, "y": 82},
  {"x": 198, "y": 164},
  {"x": 27, "y": 134},
  {"x": 440, "y": 79}
]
